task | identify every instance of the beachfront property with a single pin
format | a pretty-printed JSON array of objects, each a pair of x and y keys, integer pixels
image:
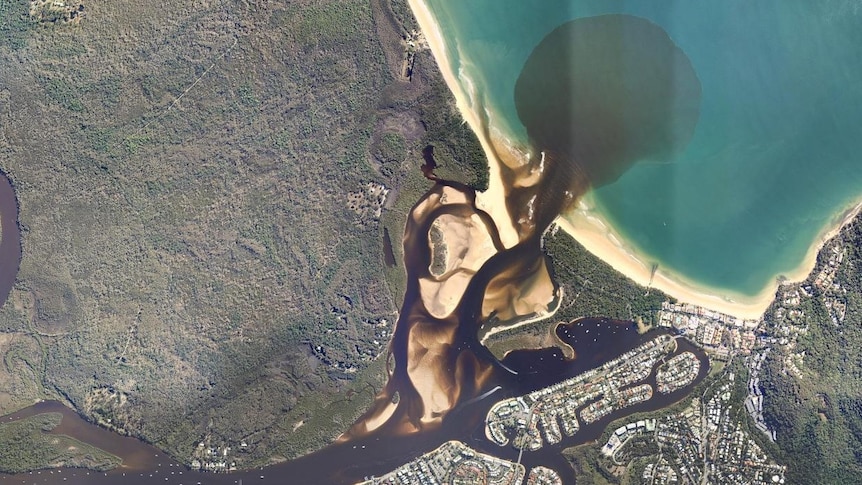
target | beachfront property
[
  {"x": 781, "y": 332},
  {"x": 825, "y": 279},
  {"x": 717, "y": 333},
  {"x": 545, "y": 416},
  {"x": 457, "y": 464},
  {"x": 722, "y": 335}
]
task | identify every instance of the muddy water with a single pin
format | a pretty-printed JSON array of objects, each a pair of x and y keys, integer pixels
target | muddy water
[
  {"x": 595, "y": 341},
  {"x": 136, "y": 455},
  {"x": 443, "y": 380}
]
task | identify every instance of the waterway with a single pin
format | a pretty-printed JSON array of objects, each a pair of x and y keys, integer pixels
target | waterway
[
  {"x": 443, "y": 381},
  {"x": 595, "y": 341},
  {"x": 474, "y": 379},
  {"x": 774, "y": 155}
]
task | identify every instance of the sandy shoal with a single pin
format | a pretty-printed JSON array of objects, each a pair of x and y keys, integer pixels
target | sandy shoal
[
  {"x": 467, "y": 244},
  {"x": 381, "y": 417},
  {"x": 492, "y": 200},
  {"x": 596, "y": 236},
  {"x": 538, "y": 316}
]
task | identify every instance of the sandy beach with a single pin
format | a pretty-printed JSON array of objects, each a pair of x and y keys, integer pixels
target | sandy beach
[
  {"x": 599, "y": 239},
  {"x": 492, "y": 200},
  {"x": 595, "y": 234}
]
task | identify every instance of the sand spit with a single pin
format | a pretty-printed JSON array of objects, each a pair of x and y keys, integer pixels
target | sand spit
[
  {"x": 378, "y": 420},
  {"x": 588, "y": 227},
  {"x": 492, "y": 200},
  {"x": 538, "y": 316}
]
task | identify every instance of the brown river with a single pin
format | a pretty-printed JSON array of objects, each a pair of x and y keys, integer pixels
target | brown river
[{"x": 586, "y": 128}]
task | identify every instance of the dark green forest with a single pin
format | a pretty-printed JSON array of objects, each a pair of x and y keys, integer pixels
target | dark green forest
[{"x": 818, "y": 417}]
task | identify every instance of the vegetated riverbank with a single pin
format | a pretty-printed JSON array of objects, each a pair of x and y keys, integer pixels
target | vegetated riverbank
[
  {"x": 56, "y": 437},
  {"x": 193, "y": 268},
  {"x": 595, "y": 341}
]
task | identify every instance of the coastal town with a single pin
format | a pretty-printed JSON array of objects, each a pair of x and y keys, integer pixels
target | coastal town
[
  {"x": 717, "y": 437},
  {"x": 457, "y": 464},
  {"x": 713, "y": 432},
  {"x": 543, "y": 476},
  {"x": 679, "y": 372},
  {"x": 544, "y": 416},
  {"x": 719, "y": 334},
  {"x": 704, "y": 443}
]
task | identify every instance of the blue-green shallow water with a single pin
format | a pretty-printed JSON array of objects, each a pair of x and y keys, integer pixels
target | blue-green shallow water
[{"x": 775, "y": 154}]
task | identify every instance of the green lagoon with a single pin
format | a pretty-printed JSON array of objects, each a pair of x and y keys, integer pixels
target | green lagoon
[{"x": 775, "y": 154}]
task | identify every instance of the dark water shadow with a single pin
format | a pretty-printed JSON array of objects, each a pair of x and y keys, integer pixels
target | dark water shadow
[
  {"x": 388, "y": 253},
  {"x": 597, "y": 95}
]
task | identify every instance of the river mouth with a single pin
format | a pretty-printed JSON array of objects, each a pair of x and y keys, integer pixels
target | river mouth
[
  {"x": 596, "y": 96},
  {"x": 444, "y": 381}
]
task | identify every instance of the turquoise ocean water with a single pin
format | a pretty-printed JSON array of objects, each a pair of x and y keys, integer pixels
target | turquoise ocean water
[{"x": 777, "y": 151}]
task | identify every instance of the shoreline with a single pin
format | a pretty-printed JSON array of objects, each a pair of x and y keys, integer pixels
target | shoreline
[
  {"x": 597, "y": 235},
  {"x": 492, "y": 200},
  {"x": 600, "y": 239},
  {"x": 527, "y": 319}
]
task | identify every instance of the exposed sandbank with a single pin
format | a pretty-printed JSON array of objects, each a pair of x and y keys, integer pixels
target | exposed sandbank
[
  {"x": 538, "y": 316},
  {"x": 492, "y": 200},
  {"x": 511, "y": 295},
  {"x": 466, "y": 244},
  {"x": 427, "y": 368},
  {"x": 380, "y": 418},
  {"x": 591, "y": 231}
]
